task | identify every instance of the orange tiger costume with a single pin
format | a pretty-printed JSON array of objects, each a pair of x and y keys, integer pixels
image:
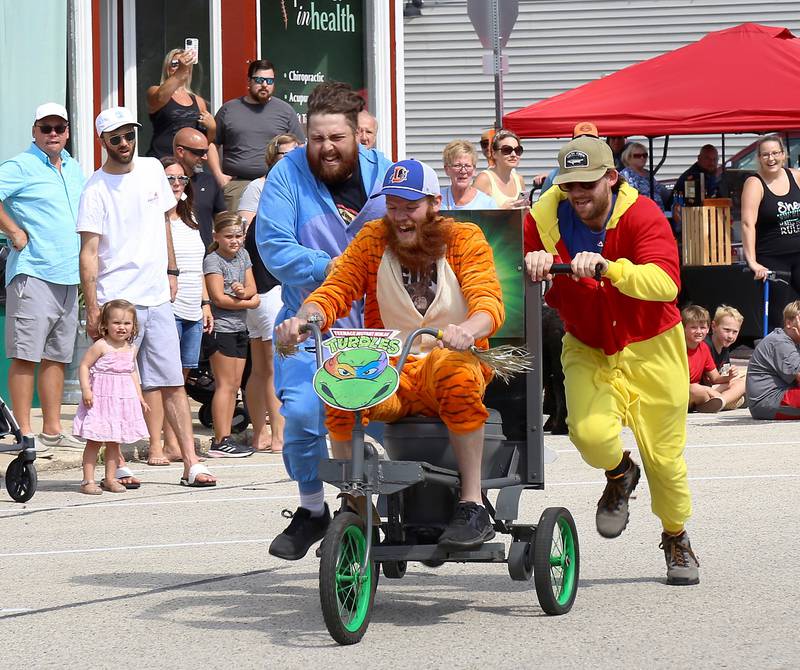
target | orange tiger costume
[{"x": 444, "y": 383}]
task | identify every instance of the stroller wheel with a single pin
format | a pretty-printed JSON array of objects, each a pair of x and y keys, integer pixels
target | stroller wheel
[
  {"x": 204, "y": 415},
  {"x": 21, "y": 480},
  {"x": 240, "y": 420}
]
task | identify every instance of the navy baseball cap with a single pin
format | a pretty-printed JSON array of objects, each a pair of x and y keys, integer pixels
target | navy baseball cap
[{"x": 409, "y": 179}]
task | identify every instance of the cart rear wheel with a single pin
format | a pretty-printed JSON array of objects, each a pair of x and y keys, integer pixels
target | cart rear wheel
[
  {"x": 346, "y": 597},
  {"x": 240, "y": 420},
  {"x": 556, "y": 560},
  {"x": 21, "y": 480},
  {"x": 520, "y": 561},
  {"x": 394, "y": 569}
]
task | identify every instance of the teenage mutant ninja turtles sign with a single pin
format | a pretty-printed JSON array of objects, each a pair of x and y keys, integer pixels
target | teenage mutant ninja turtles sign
[{"x": 358, "y": 375}]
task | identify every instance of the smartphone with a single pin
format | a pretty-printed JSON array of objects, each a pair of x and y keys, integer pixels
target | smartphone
[
  {"x": 726, "y": 369},
  {"x": 192, "y": 44}
]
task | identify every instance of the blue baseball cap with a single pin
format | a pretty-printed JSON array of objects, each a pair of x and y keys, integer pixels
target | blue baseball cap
[{"x": 410, "y": 179}]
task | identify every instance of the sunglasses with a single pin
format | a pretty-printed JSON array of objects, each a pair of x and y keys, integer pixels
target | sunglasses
[
  {"x": 128, "y": 137},
  {"x": 174, "y": 63},
  {"x": 269, "y": 81},
  {"x": 578, "y": 185},
  {"x": 60, "y": 129},
  {"x": 174, "y": 177},
  {"x": 507, "y": 150},
  {"x": 639, "y": 155},
  {"x": 484, "y": 144},
  {"x": 194, "y": 150},
  {"x": 462, "y": 167}
]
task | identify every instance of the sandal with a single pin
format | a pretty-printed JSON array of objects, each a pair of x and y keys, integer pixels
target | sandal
[
  {"x": 124, "y": 475},
  {"x": 90, "y": 488},
  {"x": 112, "y": 486}
]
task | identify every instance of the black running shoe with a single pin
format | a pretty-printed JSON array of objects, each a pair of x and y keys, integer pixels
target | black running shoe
[
  {"x": 303, "y": 531},
  {"x": 469, "y": 528},
  {"x": 228, "y": 448}
]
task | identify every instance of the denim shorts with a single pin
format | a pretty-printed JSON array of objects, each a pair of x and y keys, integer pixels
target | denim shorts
[{"x": 190, "y": 334}]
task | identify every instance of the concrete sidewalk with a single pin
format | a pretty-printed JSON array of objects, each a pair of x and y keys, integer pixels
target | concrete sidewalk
[{"x": 64, "y": 459}]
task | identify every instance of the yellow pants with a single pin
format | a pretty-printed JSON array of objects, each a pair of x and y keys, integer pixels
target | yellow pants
[{"x": 644, "y": 387}]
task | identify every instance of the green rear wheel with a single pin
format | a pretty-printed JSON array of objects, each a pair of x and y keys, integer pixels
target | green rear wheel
[
  {"x": 556, "y": 560},
  {"x": 345, "y": 595}
]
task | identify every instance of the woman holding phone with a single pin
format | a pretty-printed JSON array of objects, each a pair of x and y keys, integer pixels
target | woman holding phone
[
  {"x": 173, "y": 105},
  {"x": 501, "y": 181}
]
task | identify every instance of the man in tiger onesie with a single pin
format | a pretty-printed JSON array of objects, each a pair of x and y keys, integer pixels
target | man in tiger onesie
[{"x": 417, "y": 269}]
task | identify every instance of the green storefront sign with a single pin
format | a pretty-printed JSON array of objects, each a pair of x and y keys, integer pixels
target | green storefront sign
[{"x": 311, "y": 41}]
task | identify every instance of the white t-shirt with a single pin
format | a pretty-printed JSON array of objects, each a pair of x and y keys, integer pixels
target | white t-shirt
[
  {"x": 127, "y": 211},
  {"x": 189, "y": 253}
]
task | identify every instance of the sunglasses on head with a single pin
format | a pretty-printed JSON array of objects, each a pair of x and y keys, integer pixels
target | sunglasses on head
[
  {"x": 269, "y": 81},
  {"x": 128, "y": 137},
  {"x": 507, "y": 150},
  {"x": 60, "y": 129},
  {"x": 194, "y": 150},
  {"x": 176, "y": 177}
]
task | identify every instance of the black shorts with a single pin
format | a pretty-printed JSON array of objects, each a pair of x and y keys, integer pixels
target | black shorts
[{"x": 233, "y": 345}]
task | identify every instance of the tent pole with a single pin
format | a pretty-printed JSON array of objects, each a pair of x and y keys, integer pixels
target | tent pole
[
  {"x": 652, "y": 173},
  {"x": 723, "y": 151}
]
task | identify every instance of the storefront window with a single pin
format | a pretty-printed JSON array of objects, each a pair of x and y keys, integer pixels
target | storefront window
[
  {"x": 311, "y": 42},
  {"x": 33, "y": 51},
  {"x": 160, "y": 27}
]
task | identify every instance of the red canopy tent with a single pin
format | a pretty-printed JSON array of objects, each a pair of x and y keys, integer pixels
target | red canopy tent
[{"x": 742, "y": 79}]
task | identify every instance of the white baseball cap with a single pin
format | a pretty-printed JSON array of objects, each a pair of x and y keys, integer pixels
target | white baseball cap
[
  {"x": 51, "y": 109},
  {"x": 113, "y": 118}
]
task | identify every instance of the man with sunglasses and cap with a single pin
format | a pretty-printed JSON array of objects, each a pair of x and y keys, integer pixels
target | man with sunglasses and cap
[
  {"x": 244, "y": 128},
  {"x": 39, "y": 194},
  {"x": 126, "y": 252},
  {"x": 624, "y": 354}
]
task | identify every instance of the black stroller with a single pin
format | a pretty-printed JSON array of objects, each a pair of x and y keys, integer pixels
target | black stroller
[
  {"x": 21, "y": 472},
  {"x": 200, "y": 387}
]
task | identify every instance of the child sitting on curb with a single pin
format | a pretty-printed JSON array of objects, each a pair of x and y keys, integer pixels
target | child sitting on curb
[
  {"x": 726, "y": 391},
  {"x": 725, "y": 329}
]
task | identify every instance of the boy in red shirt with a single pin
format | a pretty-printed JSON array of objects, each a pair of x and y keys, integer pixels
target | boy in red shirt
[{"x": 702, "y": 367}]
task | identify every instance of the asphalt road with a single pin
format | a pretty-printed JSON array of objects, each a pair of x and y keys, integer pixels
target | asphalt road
[{"x": 171, "y": 577}]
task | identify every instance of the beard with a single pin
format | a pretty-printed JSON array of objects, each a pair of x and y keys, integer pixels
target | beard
[
  {"x": 334, "y": 174},
  {"x": 114, "y": 154},
  {"x": 428, "y": 246}
]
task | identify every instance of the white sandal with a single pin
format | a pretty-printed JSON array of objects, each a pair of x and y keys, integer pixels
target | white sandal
[{"x": 191, "y": 480}]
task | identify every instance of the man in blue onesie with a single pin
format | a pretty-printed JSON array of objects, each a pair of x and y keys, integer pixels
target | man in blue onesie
[{"x": 313, "y": 204}]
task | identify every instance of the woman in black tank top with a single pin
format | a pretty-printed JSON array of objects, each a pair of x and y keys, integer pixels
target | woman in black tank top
[
  {"x": 771, "y": 222},
  {"x": 172, "y": 105}
]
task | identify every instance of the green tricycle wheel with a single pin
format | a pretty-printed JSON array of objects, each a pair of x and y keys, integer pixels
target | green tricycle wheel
[
  {"x": 345, "y": 595},
  {"x": 556, "y": 561}
]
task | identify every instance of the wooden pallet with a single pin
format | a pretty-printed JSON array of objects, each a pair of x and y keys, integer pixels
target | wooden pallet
[{"x": 707, "y": 233}]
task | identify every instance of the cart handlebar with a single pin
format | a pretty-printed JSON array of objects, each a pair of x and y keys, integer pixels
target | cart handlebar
[{"x": 566, "y": 269}]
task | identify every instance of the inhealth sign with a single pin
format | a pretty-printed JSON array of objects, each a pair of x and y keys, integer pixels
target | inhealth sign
[{"x": 311, "y": 41}]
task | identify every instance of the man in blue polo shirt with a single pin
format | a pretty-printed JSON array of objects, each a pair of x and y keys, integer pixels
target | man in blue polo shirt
[{"x": 39, "y": 194}]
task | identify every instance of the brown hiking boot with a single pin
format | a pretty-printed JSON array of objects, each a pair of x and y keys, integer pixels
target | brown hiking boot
[
  {"x": 612, "y": 508},
  {"x": 683, "y": 568}
]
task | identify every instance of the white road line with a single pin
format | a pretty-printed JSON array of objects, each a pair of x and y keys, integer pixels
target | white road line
[
  {"x": 736, "y": 445},
  {"x": 691, "y": 479},
  {"x": 133, "y": 547}
]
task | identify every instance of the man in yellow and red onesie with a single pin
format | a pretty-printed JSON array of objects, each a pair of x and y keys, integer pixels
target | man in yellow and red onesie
[
  {"x": 624, "y": 354},
  {"x": 416, "y": 269}
]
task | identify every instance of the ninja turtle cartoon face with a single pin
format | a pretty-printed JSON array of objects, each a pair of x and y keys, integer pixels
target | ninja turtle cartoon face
[{"x": 356, "y": 379}]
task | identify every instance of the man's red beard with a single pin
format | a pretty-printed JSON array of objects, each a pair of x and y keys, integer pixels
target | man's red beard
[
  {"x": 334, "y": 174},
  {"x": 429, "y": 245}
]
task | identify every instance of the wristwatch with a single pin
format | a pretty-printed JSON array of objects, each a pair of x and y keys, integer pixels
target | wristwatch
[
  {"x": 203, "y": 303},
  {"x": 175, "y": 272}
]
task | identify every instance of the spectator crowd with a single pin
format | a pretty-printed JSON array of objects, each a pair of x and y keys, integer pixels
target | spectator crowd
[{"x": 195, "y": 254}]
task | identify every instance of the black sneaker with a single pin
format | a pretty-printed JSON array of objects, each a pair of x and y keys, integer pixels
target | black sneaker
[
  {"x": 683, "y": 568},
  {"x": 469, "y": 528},
  {"x": 303, "y": 531},
  {"x": 612, "y": 508},
  {"x": 228, "y": 448}
]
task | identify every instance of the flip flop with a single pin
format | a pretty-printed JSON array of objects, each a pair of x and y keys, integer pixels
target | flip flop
[
  {"x": 158, "y": 460},
  {"x": 124, "y": 473},
  {"x": 191, "y": 480}
]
